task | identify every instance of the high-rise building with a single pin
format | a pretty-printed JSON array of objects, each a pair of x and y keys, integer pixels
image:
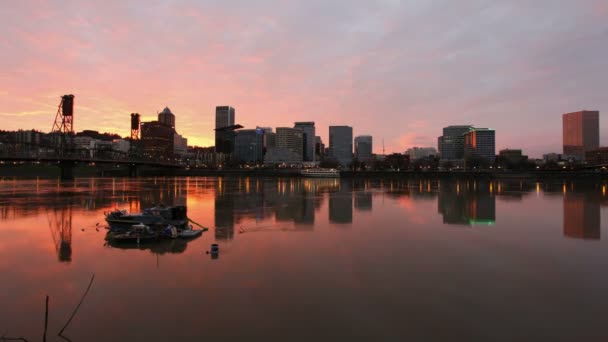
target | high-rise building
[
  {"x": 157, "y": 140},
  {"x": 224, "y": 138},
  {"x": 363, "y": 148},
  {"x": 249, "y": 145},
  {"x": 289, "y": 146},
  {"x": 480, "y": 143},
  {"x": 341, "y": 144},
  {"x": 160, "y": 140},
  {"x": 308, "y": 137},
  {"x": 581, "y": 132},
  {"x": 291, "y": 139},
  {"x": 451, "y": 143},
  {"x": 167, "y": 118},
  {"x": 319, "y": 147}
]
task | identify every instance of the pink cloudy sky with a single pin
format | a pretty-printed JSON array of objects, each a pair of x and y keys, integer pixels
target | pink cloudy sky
[{"x": 398, "y": 70}]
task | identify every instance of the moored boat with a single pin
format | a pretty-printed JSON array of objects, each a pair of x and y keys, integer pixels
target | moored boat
[
  {"x": 122, "y": 221},
  {"x": 320, "y": 173},
  {"x": 190, "y": 233}
]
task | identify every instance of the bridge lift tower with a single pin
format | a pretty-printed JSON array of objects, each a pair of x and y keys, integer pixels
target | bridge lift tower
[
  {"x": 64, "y": 121},
  {"x": 135, "y": 147},
  {"x": 135, "y": 124}
]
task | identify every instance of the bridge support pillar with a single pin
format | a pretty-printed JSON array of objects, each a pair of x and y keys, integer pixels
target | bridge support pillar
[
  {"x": 67, "y": 170},
  {"x": 133, "y": 170}
]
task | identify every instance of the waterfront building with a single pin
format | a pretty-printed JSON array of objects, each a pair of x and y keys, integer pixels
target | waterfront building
[
  {"x": 510, "y": 156},
  {"x": 319, "y": 147},
  {"x": 157, "y": 140},
  {"x": 416, "y": 153},
  {"x": 363, "y": 148},
  {"x": 180, "y": 145},
  {"x": 551, "y": 157},
  {"x": 597, "y": 157},
  {"x": 270, "y": 140},
  {"x": 581, "y": 133},
  {"x": 249, "y": 145},
  {"x": 451, "y": 143},
  {"x": 341, "y": 144},
  {"x": 480, "y": 144},
  {"x": 82, "y": 142},
  {"x": 27, "y": 137},
  {"x": 121, "y": 145},
  {"x": 224, "y": 138},
  {"x": 308, "y": 137},
  {"x": 289, "y": 146}
]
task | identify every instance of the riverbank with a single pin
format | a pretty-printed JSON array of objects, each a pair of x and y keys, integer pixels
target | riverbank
[{"x": 84, "y": 171}]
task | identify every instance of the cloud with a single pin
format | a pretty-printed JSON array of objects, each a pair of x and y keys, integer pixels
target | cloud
[{"x": 383, "y": 67}]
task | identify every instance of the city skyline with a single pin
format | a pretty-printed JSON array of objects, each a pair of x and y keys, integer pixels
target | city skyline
[{"x": 360, "y": 60}]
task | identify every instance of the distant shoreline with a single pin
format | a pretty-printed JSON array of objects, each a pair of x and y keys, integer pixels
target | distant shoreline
[{"x": 49, "y": 171}]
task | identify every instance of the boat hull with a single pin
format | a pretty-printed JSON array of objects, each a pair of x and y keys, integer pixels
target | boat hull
[{"x": 320, "y": 176}]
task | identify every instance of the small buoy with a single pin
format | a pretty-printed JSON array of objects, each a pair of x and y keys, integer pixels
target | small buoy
[
  {"x": 97, "y": 224},
  {"x": 83, "y": 229},
  {"x": 206, "y": 252},
  {"x": 215, "y": 249},
  {"x": 97, "y": 229}
]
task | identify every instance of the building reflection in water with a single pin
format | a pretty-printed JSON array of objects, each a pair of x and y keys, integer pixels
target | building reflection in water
[
  {"x": 582, "y": 216},
  {"x": 341, "y": 204},
  {"x": 167, "y": 191},
  {"x": 363, "y": 201},
  {"x": 224, "y": 211},
  {"x": 287, "y": 200},
  {"x": 468, "y": 202}
]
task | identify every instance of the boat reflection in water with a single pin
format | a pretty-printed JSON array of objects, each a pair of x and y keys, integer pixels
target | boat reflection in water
[{"x": 162, "y": 246}]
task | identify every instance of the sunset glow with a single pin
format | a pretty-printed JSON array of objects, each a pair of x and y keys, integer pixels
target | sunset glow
[{"x": 396, "y": 70}]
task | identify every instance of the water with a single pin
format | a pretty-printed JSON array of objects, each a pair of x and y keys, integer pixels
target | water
[{"x": 299, "y": 259}]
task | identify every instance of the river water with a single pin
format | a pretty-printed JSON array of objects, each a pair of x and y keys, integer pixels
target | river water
[{"x": 413, "y": 260}]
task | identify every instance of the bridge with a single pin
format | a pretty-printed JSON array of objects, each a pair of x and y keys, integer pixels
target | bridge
[
  {"x": 67, "y": 162},
  {"x": 62, "y": 151}
]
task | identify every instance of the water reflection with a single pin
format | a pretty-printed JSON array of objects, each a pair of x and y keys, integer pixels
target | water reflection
[
  {"x": 287, "y": 204},
  {"x": 168, "y": 246},
  {"x": 398, "y": 256},
  {"x": 341, "y": 204},
  {"x": 467, "y": 203},
  {"x": 60, "y": 224},
  {"x": 286, "y": 200},
  {"x": 582, "y": 216}
]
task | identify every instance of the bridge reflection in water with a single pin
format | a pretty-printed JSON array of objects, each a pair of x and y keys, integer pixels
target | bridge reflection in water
[{"x": 60, "y": 225}]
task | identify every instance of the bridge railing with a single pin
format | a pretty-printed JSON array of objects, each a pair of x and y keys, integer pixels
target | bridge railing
[{"x": 91, "y": 156}]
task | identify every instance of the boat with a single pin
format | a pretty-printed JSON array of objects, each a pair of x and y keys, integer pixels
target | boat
[
  {"x": 138, "y": 233},
  {"x": 159, "y": 216},
  {"x": 190, "y": 233},
  {"x": 320, "y": 173}
]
